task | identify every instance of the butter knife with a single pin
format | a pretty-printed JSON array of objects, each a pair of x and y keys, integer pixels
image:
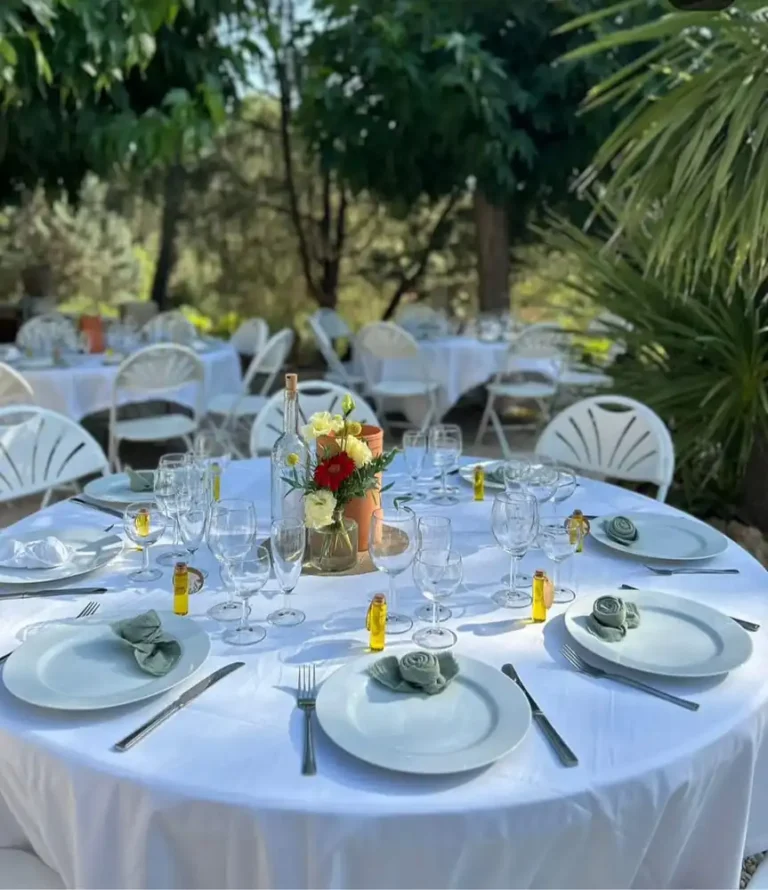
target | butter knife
[
  {"x": 98, "y": 507},
  {"x": 747, "y": 625},
  {"x": 184, "y": 699},
  {"x": 567, "y": 757},
  {"x": 54, "y": 591}
]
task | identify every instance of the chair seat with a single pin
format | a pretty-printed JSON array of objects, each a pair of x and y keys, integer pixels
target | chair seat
[
  {"x": 350, "y": 379},
  {"x": 575, "y": 378},
  {"x": 148, "y": 429},
  {"x": 525, "y": 389},
  {"x": 237, "y": 404},
  {"x": 403, "y": 388},
  {"x": 23, "y": 871}
]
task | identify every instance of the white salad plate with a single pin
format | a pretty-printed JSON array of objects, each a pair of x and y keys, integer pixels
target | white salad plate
[
  {"x": 83, "y": 665},
  {"x": 664, "y": 536},
  {"x": 116, "y": 489},
  {"x": 677, "y": 637},
  {"x": 480, "y": 717}
]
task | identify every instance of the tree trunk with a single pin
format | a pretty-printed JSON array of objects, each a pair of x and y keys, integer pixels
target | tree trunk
[
  {"x": 173, "y": 193},
  {"x": 756, "y": 484},
  {"x": 492, "y": 254}
]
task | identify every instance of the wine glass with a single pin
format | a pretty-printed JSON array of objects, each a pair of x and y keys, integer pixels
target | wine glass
[
  {"x": 414, "y": 452},
  {"x": 288, "y": 540},
  {"x": 209, "y": 448},
  {"x": 515, "y": 522},
  {"x": 192, "y": 519},
  {"x": 558, "y": 544},
  {"x": 566, "y": 485},
  {"x": 437, "y": 575},
  {"x": 144, "y": 524},
  {"x": 434, "y": 535},
  {"x": 515, "y": 471},
  {"x": 169, "y": 482},
  {"x": 248, "y": 575},
  {"x": 392, "y": 543},
  {"x": 445, "y": 449},
  {"x": 231, "y": 530}
]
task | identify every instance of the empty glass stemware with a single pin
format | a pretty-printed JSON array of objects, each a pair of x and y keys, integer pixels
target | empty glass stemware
[
  {"x": 515, "y": 471},
  {"x": 414, "y": 453},
  {"x": 248, "y": 575},
  {"x": 170, "y": 481},
  {"x": 288, "y": 541},
  {"x": 445, "y": 446},
  {"x": 392, "y": 544},
  {"x": 231, "y": 530},
  {"x": 515, "y": 522},
  {"x": 192, "y": 519},
  {"x": 437, "y": 575},
  {"x": 144, "y": 524},
  {"x": 558, "y": 544},
  {"x": 435, "y": 536},
  {"x": 566, "y": 485}
]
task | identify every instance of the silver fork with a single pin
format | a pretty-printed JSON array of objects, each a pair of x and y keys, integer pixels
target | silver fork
[
  {"x": 88, "y": 609},
  {"x": 578, "y": 662},
  {"x": 658, "y": 571},
  {"x": 306, "y": 696}
]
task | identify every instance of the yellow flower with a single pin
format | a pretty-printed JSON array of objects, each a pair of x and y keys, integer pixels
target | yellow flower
[
  {"x": 347, "y": 404},
  {"x": 320, "y": 424},
  {"x": 292, "y": 460},
  {"x": 318, "y": 508},
  {"x": 337, "y": 423},
  {"x": 354, "y": 428},
  {"x": 358, "y": 451}
]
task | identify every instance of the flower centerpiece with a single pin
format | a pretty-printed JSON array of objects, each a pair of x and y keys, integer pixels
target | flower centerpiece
[{"x": 342, "y": 470}]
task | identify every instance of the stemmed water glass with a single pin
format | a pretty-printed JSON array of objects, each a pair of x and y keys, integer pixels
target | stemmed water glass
[
  {"x": 144, "y": 524},
  {"x": 515, "y": 471},
  {"x": 414, "y": 453},
  {"x": 540, "y": 479},
  {"x": 437, "y": 575},
  {"x": 248, "y": 575},
  {"x": 392, "y": 543},
  {"x": 288, "y": 541},
  {"x": 192, "y": 519},
  {"x": 566, "y": 485},
  {"x": 231, "y": 530},
  {"x": 515, "y": 523},
  {"x": 445, "y": 449},
  {"x": 435, "y": 536},
  {"x": 170, "y": 481},
  {"x": 558, "y": 544}
]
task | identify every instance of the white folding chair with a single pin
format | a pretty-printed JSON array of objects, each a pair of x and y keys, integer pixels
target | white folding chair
[
  {"x": 51, "y": 328},
  {"x": 173, "y": 327},
  {"x": 338, "y": 371},
  {"x": 14, "y": 388},
  {"x": 138, "y": 312},
  {"x": 536, "y": 351},
  {"x": 251, "y": 337},
  {"x": 612, "y": 436},
  {"x": 20, "y": 870},
  {"x": 41, "y": 451},
  {"x": 333, "y": 324},
  {"x": 156, "y": 372},
  {"x": 385, "y": 341},
  {"x": 239, "y": 408},
  {"x": 422, "y": 321},
  {"x": 314, "y": 396}
]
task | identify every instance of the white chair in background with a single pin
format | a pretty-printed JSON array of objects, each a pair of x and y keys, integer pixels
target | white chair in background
[
  {"x": 173, "y": 327},
  {"x": 333, "y": 324},
  {"x": 251, "y": 337},
  {"x": 139, "y": 312},
  {"x": 41, "y": 451},
  {"x": 612, "y": 436},
  {"x": 338, "y": 371},
  {"x": 20, "y": 870},
  {"x": 239, "y": 408},
  {"x": 53, "y": 328},
  {"x": 537, "y": 350},
  {"x": 422, "y": 321},
  {"x": 14, "y": 388},
  {"x": 314, "y": 396},
  {"x": 156, "y": 372}
]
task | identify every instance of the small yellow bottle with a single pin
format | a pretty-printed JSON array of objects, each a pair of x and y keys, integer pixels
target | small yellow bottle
[
  {"x": 141, "y": 522},
  {"x": 479, "y": 483},
  {"x": 539, "y": 606},
  {"x": 216, "y": 482},
  {"x": 180, "y": 589},
  {"x": 376, "y": 622},
  {"x": 578, "y": 527}
]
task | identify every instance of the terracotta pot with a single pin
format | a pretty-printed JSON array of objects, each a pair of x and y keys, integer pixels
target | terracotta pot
[
  {"x": 93, "y": 327},
  {"x": 361, "y": 509}
]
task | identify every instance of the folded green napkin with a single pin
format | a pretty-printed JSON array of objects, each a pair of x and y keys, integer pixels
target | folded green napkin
[
  {"x": 621, "y": 530},
  {"x": 495, "y": 474},
  {"x": 415, "y": 672},
  {"x": 611, "y": 618},
  {"x": 141, "y": 480},
  {"x": 155, "y": 651}
]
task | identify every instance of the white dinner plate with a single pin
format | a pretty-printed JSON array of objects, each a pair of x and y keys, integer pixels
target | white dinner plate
[
  {"x": 677, "y": 637},
  {"x": 479, "y": 718},
  {"x": 116, "y": 489},
  {"x": 84, "y": 666},
  {"x": 664, "y": 536},
  {"x": 91, "y": 548}
]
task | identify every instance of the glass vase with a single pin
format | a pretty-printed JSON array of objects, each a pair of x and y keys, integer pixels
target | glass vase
[{"x": 333, "y": 548}]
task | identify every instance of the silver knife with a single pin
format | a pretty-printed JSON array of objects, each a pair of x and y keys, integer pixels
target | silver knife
[
  {"x": 98, "y": 507},
  {"x": 567, "y": 757},
  {"x": 747, "y": 625},
  {"x": 57, "y": 591},
  {"x": 184, "y": 699}
]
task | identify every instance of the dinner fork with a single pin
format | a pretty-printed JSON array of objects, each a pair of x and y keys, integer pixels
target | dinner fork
[
  {"x": 306, "y": 696},
  {"x": 658, "y": 571},
  {"x": 89, "y": 609},
  {"x": 578, "y": 662}
]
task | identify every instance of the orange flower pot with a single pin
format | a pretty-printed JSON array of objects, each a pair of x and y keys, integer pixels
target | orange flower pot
[{"x": 93, "y": 328}]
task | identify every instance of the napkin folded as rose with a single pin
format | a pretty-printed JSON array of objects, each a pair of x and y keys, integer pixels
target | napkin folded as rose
[
  {"x": 415, "y": 672},
  {"x": 611, "y": 618},
  {"x": 141, "y": 480},
  {"x": 46, "y": 553},
  {"x": 155, "y": 651},
  {"x": 621, "y": 530}
]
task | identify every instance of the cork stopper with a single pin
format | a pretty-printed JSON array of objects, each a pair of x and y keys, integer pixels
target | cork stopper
[
  {"x": 379, "y": 598},
  {"x": 291, "y": 382}
]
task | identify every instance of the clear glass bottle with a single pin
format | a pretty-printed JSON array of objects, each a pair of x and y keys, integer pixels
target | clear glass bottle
[{"x": 289, "y": 457}]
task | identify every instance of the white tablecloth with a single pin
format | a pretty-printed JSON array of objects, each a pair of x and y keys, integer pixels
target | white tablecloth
[
  {"x": 86, "y": 387},
  {"x": 214, "y": 798}
]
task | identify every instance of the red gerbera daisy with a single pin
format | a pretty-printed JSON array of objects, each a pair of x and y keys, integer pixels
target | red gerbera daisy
[{"x": 331, "y": 472}]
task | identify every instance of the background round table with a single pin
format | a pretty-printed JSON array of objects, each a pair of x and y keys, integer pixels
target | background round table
[{"x": 662, "y": 797}]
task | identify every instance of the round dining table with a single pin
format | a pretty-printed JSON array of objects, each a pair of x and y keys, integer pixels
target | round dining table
[{"x": 661, "y": 796}]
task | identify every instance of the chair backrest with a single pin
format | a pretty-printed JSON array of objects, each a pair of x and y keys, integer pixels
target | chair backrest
[
  {"x": 383, "y": 340},
  {"x": 423, "y": 321},
  {"x": 172, "y": 326},
  {"x": 333, "y": 324},
  {"x": 53, "y": 328},
  {"x": 614, "y": 436},
  {"x": 251, "y": 337},
  {"x": 14, "y": 388},
  {"x": 270, "y": 360},
  {"x": 314, "y": 396},
  {"x": 139, "y": 312},
  {"x": 544, "y": 342},
  {"x": 327, "y": 351},
  {"x": 40, "y": 449}
]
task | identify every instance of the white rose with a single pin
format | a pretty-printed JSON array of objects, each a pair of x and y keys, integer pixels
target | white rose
[
  {"x": 320, "y": 424},
  {"x": 358, "y": 451},
  {"x": 318, "y": 508}
]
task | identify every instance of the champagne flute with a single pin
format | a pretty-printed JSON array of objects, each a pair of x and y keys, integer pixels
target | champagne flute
[
  {"x": 169, "y": 483},
  {"x": 515, "y": 523},
  {"x": 566, "y": 486},
  {"x": 414, "y": 452},
  {"x": 144, "y": 524},
  {"x": 437, "y": 575},
  {"x": 192, "y": 519},
  {"x": 392, "y": 544},
  {"x": 288, "y": 539},
  {"x": 558, "y": 544},
  {"x": 248, "y": 575},
  {"x": 435, "y": 536},
  {"x": 445, "y": 449},
  {"x": 231, "y": 530}
]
